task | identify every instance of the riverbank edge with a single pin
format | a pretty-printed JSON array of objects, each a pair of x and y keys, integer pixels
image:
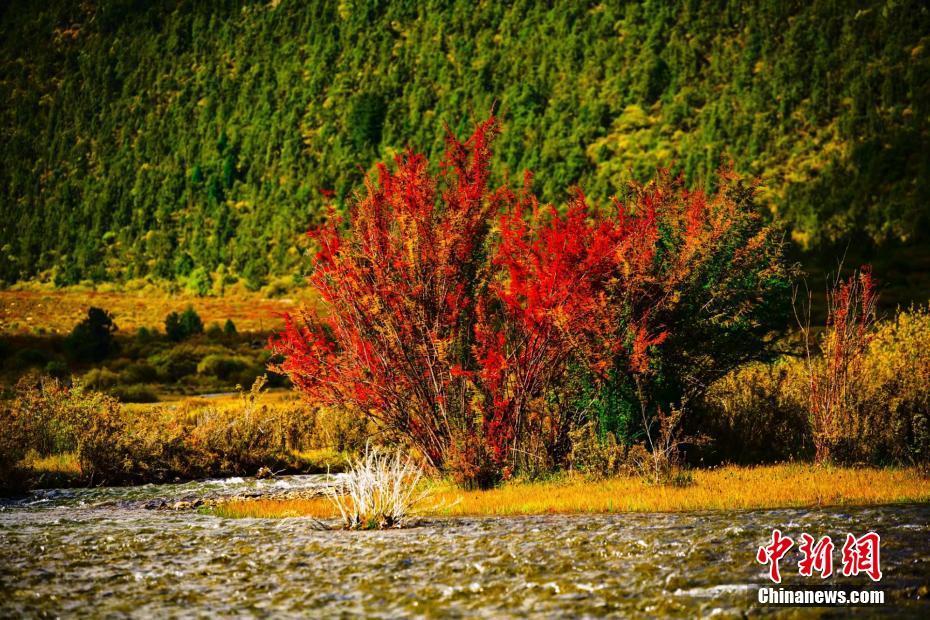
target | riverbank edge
[
  {"x": 63, "y": 471},
  {"x": 790, "y": 485}
]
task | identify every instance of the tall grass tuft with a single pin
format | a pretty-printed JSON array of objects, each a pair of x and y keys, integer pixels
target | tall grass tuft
[{"x": 378, "y": 491}]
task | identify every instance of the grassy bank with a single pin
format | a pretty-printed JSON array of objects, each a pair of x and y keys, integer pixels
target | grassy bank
[{"x": 725, "y": 488}]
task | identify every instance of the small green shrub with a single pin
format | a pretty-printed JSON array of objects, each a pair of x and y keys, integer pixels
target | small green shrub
[
  {"x": 222, "y": 366},
  {"x": 180, "y": 361},
  {"x": 138, "y": 372},
  {"x": 214, "y": 331},
  {"x": 100, "y": 379},
  {"x": 144, "y": 335},
  {"x": 199, "y": 282},
  {"x": 57, "y": 369}
]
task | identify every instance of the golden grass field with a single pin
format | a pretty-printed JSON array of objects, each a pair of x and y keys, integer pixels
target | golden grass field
[
  {"x": 26, "y": 311},
  {"x": 724, "y": 488}
]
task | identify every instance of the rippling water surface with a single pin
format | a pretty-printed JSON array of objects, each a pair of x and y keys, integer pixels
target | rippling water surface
[{"x": 107, "y": 552}]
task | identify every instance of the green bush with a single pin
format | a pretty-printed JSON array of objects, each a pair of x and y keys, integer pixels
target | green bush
[
  {"x": 215, "y": 332},
  {"x": 182, "y": 326},
  {"x": 138, "y": 372},
  {"x": 182, "y": 360},
  {"x": 278, "y": 287},
  {"x": 144, "y": 335},
  {"x": 222, "y": 366},
  {"x": 100, "y": 378},
  {"x": 175, "y": 363},
  {"x": 199, "y": 282},
  {"x": 57, "y": 369},
  {"x": 30, "y": 358}
]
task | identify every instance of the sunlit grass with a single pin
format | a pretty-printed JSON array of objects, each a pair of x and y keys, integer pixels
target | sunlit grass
[
  {"x": 318, "y": 507},
  {"x": 321, "y": 459},
  {"x": 226, "y": 401},
  {"x": 55, "y": 311},
  {"x": 66, "y": 464},
  {"x": 726, "y": 488}
]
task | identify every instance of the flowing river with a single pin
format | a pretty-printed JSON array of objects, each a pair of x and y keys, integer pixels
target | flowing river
[{"x": 131, "y": 552}]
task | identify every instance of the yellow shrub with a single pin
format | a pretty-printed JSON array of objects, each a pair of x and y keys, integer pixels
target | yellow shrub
[
  {"x": 761, "y": 412},
  {"x": 895, "y": 393},
  {"x": 758, "y": 413}
]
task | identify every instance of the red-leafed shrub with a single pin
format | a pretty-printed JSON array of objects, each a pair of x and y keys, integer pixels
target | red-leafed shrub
[
  {"x": 401, "y": 289},
  {"x": 837, "y": 376},
  {"x": 484, "y": 327}
]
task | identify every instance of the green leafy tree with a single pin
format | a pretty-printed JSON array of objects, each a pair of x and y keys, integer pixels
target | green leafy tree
[
  {"x": 92, "y": 340},
  {"x": 199, "y": 282},
  {"x": 181, "y": 326}
]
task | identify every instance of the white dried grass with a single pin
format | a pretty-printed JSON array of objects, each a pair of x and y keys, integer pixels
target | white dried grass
[{"x": 378, "y": 491}]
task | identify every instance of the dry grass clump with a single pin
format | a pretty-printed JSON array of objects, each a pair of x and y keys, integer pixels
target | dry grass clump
[
  {"x": 379, "y": 490},
  {"x": 725, "y": 488},
  {"x": 66, "y": 463}
]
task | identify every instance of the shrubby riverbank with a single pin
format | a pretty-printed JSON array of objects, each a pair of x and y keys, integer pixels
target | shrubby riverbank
[{"x": 55, "y": 435}]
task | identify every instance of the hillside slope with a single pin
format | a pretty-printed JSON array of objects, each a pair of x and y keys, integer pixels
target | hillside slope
[{"x": 195, "y": 140}]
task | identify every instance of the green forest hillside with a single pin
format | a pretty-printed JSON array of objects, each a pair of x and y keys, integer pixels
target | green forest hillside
[{"x": 192, "y": 140}]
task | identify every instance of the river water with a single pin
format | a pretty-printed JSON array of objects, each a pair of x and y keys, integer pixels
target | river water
[{"x": 111, "y": 552}]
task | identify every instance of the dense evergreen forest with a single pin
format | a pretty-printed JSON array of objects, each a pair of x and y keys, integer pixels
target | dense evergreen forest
[{"x": 196, "y": 141}]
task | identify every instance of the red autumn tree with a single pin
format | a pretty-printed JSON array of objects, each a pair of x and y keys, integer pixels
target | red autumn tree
[
  {"x": 601, "y": 292},
  {"x": 460, "y": 317},
  {"x": 400, "y": 288}
]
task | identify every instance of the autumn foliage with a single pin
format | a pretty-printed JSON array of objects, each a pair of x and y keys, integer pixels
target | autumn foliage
[
  {"x": 838, "y": 373},
  {"x": 481, "y": 326}
]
